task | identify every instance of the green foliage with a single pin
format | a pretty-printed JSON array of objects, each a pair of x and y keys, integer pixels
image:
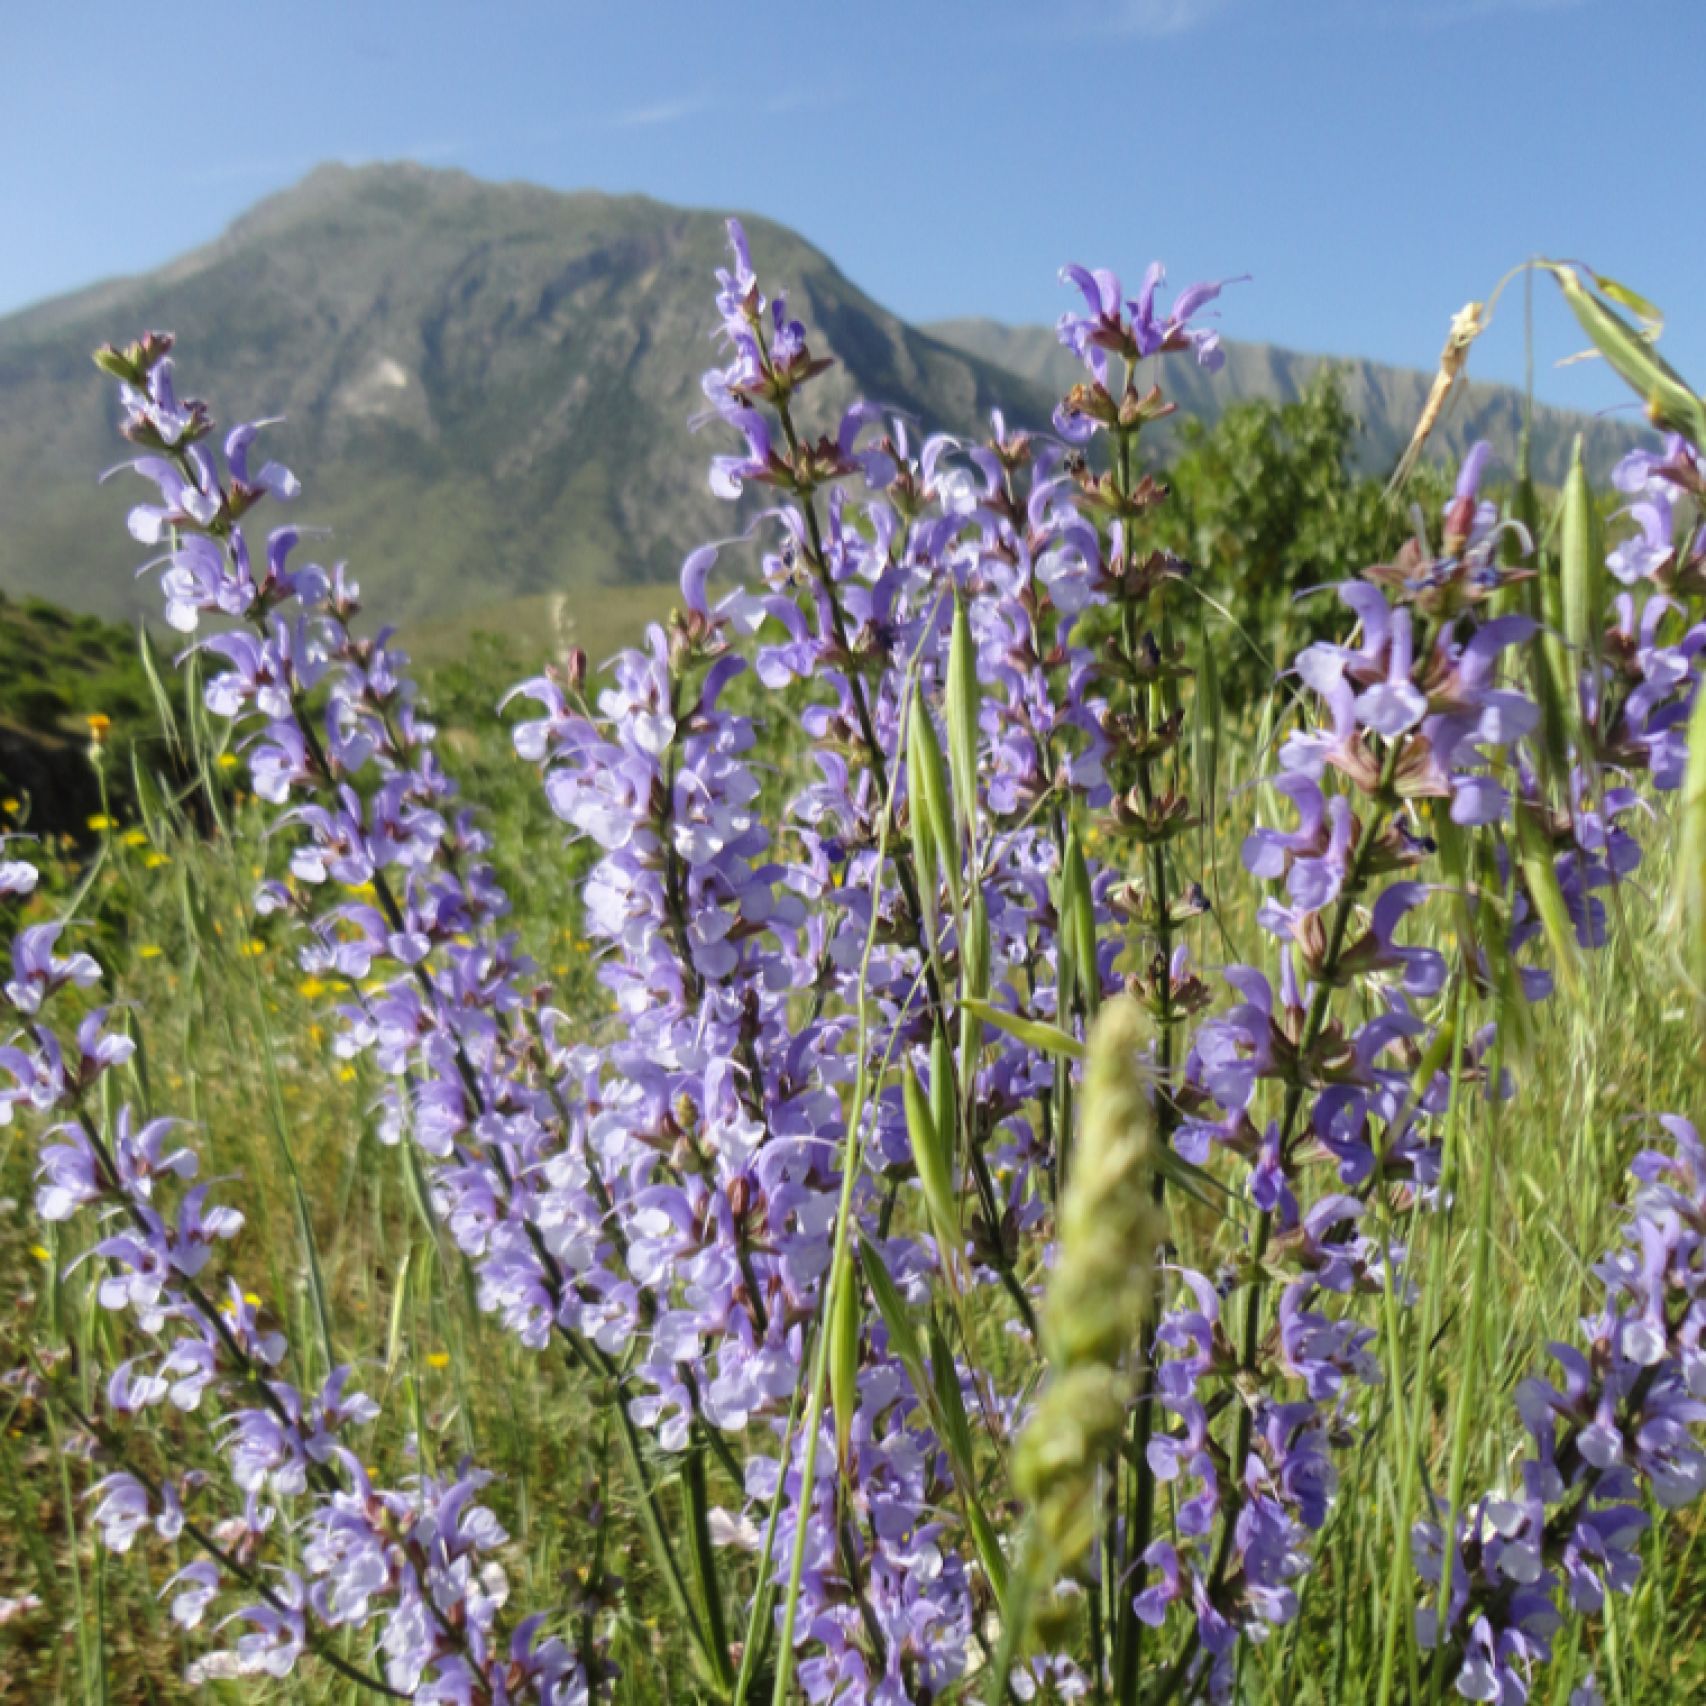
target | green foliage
[
  {"x": 58, "y": 667},
  {"x": 1267, "y": 497},
  {"x": 177, "y": 934}
]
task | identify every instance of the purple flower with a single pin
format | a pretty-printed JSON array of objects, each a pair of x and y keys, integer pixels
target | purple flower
[{"x": 37, "y": 972}]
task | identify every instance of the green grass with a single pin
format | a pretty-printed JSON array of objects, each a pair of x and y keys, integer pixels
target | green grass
[
  {"x": 238, "y": 1041},
  {"x": 541, "y": 627}
]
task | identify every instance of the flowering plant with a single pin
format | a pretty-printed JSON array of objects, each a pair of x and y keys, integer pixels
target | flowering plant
[{"x": 1023, "y": 1265}]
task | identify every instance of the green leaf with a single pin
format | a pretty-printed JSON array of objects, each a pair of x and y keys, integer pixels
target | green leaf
[
  {"x": 1039, "y": 1034},
  {"x": 1652, "y": 318},
  {"x": 950, "y": 1403},
  {"x": 1078, "y": 917},
  {"x": 1194, "y": 1181},
  {"x": 906, "y": 1346},
  {"x": 903, "y": 1336}
]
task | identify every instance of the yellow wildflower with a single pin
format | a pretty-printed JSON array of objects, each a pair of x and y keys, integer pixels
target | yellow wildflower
[
  {"x": 100, "y": 820},
  {"x": 438, "y": 1359},
  {"x": 149, "y": 951}
]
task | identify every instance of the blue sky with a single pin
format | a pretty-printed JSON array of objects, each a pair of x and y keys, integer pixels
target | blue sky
[{"x": 1374, "y": 163}]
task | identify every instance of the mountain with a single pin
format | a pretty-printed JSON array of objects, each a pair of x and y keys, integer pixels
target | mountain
[
  {"x": 488, "y": 387},
  {"x": 1388, "y": 401}
]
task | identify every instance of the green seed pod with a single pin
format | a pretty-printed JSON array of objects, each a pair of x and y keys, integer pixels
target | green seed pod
[
  {"x": 1439, "y": 1051},
  {"x": 932, "y": 808},
  {"x": 974, "y": 981},
  {"x": 1535, "y": 855},
  {"x": 1690, "y": 890},
  {"x": 1109, "y": 1228},
  {"x": 965, "y": 696},
  {"x": 846, "y": 1319},
  {"x": 974, "y": 961},
  {"x": 1078, "y": 917},
  {"x": 943, "y": 1109},
  {"x": 1671, "y": 405},
  {"x": 932, "y": 1157},
  {"x": 1582, "y": 559}
]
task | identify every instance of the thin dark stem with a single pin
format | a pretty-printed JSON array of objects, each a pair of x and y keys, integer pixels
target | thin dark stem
[
  {"x": 250, "y": 1371},
  {"x": 1314, "y": 1024},
  {"x": 114, "y": 1447},
  {"x": 904, "y": 872},
  {"x": 1128, "y": 1569},
  {"x": 582, "y": 1351}
]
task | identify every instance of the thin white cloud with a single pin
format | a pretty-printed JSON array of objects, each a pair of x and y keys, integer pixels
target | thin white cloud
[
  {"x": 236, "y": 169},
  {"x": 661, "y": 112},
  {"x": 1146, "y": 20},
  {"x": 1155, "y": 18},
  {"x": 433, "y": 153},
  {"x": 1431, "y": 14}
]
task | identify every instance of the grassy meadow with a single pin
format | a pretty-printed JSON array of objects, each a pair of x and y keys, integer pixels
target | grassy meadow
[{"x": 236, "y": 1038}]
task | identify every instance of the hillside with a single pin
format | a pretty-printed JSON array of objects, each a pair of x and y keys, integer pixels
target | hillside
[{"x": 488, "y": 387}]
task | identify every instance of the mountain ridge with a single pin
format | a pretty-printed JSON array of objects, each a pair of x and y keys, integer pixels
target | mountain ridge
[
  {"x": 1387, "y": 400},
  {"x": 488, "y": 387}
]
